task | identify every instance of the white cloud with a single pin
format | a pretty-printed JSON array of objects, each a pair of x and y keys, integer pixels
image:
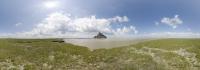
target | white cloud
[
  {"x": 176, "y": 35},
  {"x": 126, "y": 30},
  {"x": 119, "y": 19},
  {"x": 173, "y": 22},
  {"x": 18, "y": 24},
  {"x": 60, "y": 24},
  {"x": 5, "y": 35}
]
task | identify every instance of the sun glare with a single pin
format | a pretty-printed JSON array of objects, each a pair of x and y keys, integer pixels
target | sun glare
[{"x": 51, "y": 4}]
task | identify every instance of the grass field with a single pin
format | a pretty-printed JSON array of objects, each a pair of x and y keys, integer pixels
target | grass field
[{"x": 50, "y": 54}]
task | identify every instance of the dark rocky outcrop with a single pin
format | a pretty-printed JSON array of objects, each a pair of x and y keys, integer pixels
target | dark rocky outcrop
[
  {"x": 58, "y": 41},
  {"x": 100, "y": 36}
]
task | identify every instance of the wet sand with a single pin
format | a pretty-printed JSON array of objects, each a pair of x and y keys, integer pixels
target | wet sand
[{"x": 103, "y": 43}]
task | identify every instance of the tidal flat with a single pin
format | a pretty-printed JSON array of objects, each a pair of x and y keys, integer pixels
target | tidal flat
[
  {"x": 104, "y": 43},
  {"x": 54, "y": 54}
]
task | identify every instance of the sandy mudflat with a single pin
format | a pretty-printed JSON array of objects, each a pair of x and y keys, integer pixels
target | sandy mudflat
[{"x": 103, "y": 43}]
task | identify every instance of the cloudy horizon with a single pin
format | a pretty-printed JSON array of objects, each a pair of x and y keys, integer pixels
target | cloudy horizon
[{"x": 84, "y": 19}]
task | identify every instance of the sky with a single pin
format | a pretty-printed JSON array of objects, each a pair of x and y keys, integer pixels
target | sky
[{"x": 85, "y": 18}]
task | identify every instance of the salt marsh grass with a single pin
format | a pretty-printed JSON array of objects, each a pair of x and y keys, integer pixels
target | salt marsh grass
[{"x": 53, "y": 54}]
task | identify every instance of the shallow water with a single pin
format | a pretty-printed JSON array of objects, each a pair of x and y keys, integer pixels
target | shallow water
[{"x": 103, "y": 43}]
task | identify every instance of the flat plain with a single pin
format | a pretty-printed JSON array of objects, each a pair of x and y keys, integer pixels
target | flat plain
[{"x": 53, "y": 54}]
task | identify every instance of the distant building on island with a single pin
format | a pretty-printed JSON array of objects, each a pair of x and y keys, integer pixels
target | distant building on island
[{"x": 100, "y": 36}]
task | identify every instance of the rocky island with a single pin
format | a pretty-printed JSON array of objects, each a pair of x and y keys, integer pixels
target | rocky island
[{"x": 100, "y": 36}]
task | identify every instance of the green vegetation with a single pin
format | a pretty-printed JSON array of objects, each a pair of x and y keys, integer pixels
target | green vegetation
[{"x": 53, "y": 54}]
